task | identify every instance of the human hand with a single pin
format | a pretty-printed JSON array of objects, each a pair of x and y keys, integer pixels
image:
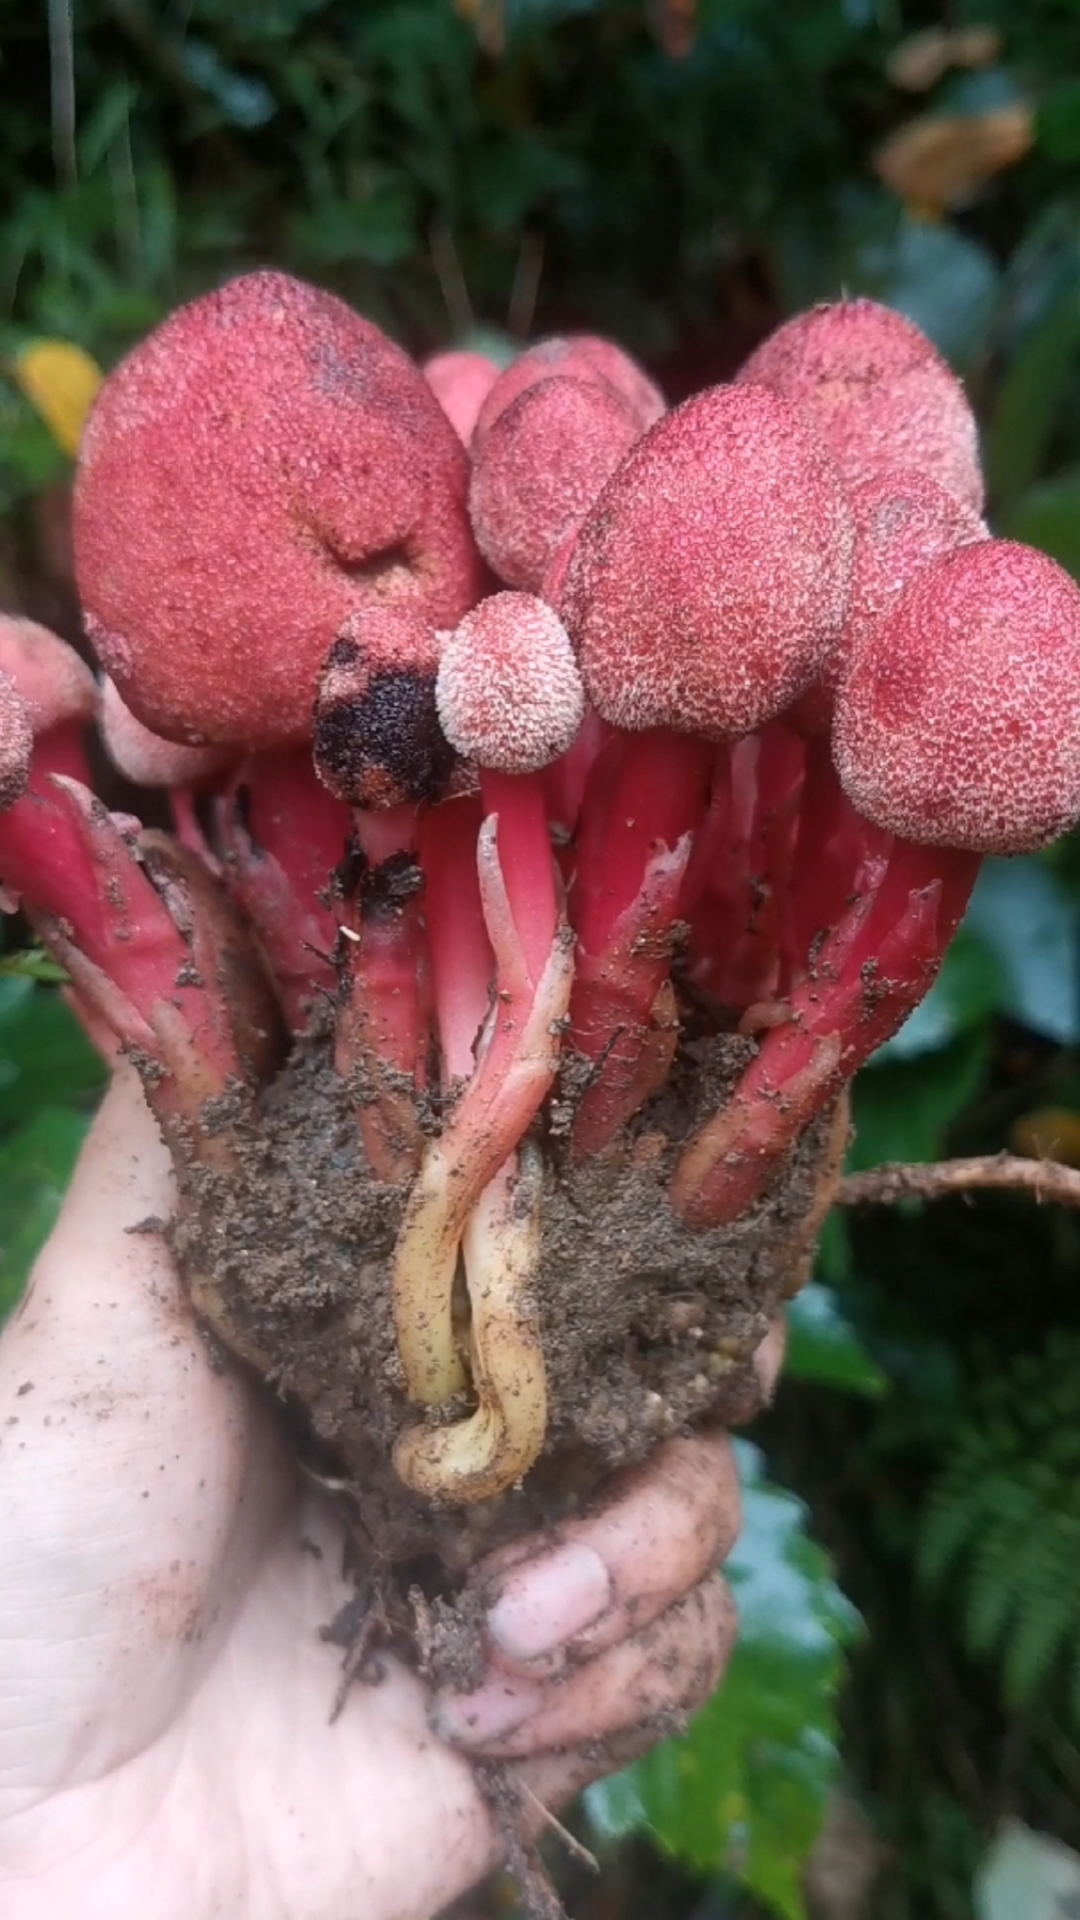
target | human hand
[{"x": 166, "y": 1742}]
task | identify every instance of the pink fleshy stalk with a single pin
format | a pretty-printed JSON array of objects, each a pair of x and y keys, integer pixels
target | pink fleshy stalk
[
  {"x": 872, "y": 971},
  {"x": 281, "y": 836},
  {"x": 517, "y": 1061},
  {"x": 833, "y": 844},
  {"x": 383, "y": 1026},
  {"x": 734, "y": 939},
  {"x": 647, "y": 794},
  {"x": 144, "y": 946},
  {"x": 567, "y": 778}
]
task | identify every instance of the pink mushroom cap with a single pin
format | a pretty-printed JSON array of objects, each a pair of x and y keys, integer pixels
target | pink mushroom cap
[
  {"x": 377, "y": 739},
  {"x": 146, "y": 758},
  {"x": 539, "y": 469},
  {"x": 958, "y": 717},
  {"x": 903, "y": 522},
  {"x": 16, "y": 743},
  {"x": 878, "y": 391},
  {"x": 461, "y": 382},
  {"x": 509, "y": 692},
  {"x": 264, "y": 465},
  {"x": 580, "y": 356},
  {"x": 708, "y": 586},
  {"x": 56, "y": 686}
]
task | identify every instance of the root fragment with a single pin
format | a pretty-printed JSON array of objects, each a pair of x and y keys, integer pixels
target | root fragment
[{"x": 492, "y": 1449}]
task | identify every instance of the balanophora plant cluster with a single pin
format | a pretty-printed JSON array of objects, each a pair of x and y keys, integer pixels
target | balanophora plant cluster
[{"x": 521, "y": 736}]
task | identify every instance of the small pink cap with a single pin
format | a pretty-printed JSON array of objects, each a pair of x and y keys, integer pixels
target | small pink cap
[{"x": 509, "y": 692}]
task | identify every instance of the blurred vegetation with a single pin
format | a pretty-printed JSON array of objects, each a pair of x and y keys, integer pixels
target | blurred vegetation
[{"x": 680, "y": 175}]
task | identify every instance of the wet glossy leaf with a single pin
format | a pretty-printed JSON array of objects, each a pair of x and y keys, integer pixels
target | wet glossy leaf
[
  {"x": 745, "y": 1790},
  {"x": 824, "y": 1347},
  {"x": 1023, "y": 910}
]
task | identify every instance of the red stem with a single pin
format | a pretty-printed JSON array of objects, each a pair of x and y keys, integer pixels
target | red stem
[
  {"x": 647, "y": 795},
  {"x": 872, "y": 971},
  {"x": 282, "y": 836}
]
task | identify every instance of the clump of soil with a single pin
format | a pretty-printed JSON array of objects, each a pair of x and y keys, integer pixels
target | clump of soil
[{"x": 647, "y": 1327}]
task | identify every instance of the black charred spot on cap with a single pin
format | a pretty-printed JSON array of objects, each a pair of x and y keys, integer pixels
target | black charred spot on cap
[
  {"x": 343, "y": 653},
  {"x": 383, "y": 747}
]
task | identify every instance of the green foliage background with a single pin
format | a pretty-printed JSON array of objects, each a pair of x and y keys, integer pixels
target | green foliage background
[{"x": 546, "y": 163}]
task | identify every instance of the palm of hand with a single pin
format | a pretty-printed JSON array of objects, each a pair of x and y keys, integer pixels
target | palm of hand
[{"x": 166, "y": 1744}]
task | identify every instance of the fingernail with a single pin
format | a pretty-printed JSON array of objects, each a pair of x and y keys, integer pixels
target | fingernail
[
  {"x": 544, "y": 1604},
  {"x": 474, "y": 1719}
]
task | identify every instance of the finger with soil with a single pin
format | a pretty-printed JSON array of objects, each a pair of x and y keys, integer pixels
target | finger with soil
[
  {"x": 655, "y": 1677},
  {"x": 661, "y": 1530}
]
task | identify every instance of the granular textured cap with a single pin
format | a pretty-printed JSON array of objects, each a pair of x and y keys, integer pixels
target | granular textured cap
[
  {"x": 879, "y": 393},
  {"x": 377, "y": 739},
  {"x": 54, "y": 683},
  {"x": 16, "y": 743},
  {"x": 461, "y": 383},
  {"x": 958, "y": 718},
  {"x": 261, "y": 467},
  {"x": 144, "y": 757},
  {"x": 574, "y": 356},
  {"x": 708, "y": 586},
  {"x": 539, "y": 469},
  {"x": 509, "y": 691},
  {"x": 903, "y": 522}
]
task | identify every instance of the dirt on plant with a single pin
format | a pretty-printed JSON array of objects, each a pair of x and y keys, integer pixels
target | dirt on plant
[{"x": 648, "y": 1328}]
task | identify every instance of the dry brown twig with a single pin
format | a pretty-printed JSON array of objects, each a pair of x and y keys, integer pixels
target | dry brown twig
[{"x": 883, "y": 1186}]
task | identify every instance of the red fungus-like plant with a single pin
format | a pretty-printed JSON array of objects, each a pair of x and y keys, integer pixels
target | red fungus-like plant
[
  {"x": 510, "y": 698},
  {"x": 153, "y": 954},
  {"x": 575, "y": 356},
  {"x": 378, "y": 747},
  {"x": 276, "y": 464},
  {"x": 705, "y": 592},
  {"x": 957, "y": 733},
  {"x": 878, "y": 392},
  {"x": 461, "y": 382},
  {"x": 538, "y": 469},
  {"x": 903, "y": 522},
  {"x": 517, "y": 864}
]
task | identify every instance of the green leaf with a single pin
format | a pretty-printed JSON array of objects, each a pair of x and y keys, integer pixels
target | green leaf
[
  {"x": 824, "y": 1347},
  {"x": 745, "y": 1790},
  {"x": 36, "y": 1164},
  {"x": 1022, "y": 909},
  {"x": 1057, "y": 126},
  {"x": 903, "y": 1108},
  {"x": 1048, "y": 516},
  {"x": 45, "y": 1058},
  {"x": 1029, "y": 402}
]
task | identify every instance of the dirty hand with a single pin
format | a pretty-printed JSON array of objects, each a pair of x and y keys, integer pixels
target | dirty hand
[{"x": 166, "y": 1743}]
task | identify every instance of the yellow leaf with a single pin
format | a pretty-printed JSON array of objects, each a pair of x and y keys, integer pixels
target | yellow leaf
[
  {"x": 61, "y": 381},
  {"x": 940, "y": 161},
  {"x": 1049, "y": 1133}
]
